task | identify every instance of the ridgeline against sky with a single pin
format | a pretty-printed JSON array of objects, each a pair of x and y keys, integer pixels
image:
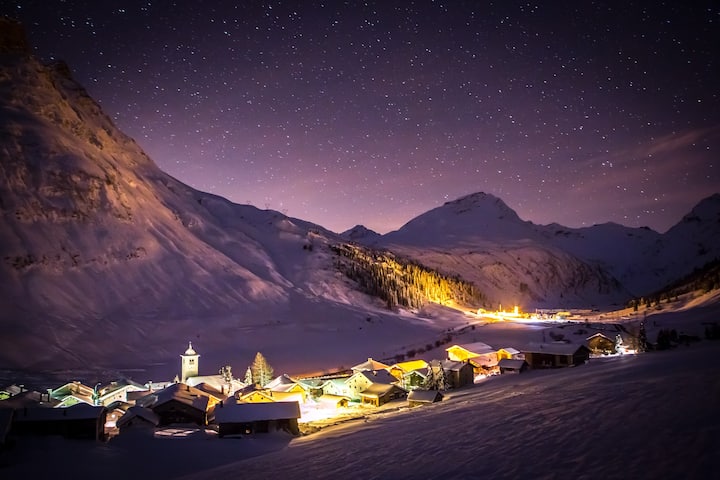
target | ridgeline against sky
[{"x": 374, "y": 112}]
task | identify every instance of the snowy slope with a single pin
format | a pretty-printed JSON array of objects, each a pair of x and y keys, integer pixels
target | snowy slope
[
  {"x": 513, "y": 262},
  {"x": 516, "y": 261},
  {"x": 107, "y": 261},
  {"x": 643, "y": 417}
]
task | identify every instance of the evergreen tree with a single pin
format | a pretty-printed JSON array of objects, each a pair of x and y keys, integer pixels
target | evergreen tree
[
  {"x": 261, "y": 370},
  {"x": 248, "y": 377}
]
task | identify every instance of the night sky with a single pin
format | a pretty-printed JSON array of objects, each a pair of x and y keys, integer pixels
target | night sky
[{"x": 374, "y": 112}]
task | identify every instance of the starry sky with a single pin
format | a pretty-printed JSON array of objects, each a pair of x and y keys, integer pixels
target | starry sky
[{"x": 345, "y": 113}]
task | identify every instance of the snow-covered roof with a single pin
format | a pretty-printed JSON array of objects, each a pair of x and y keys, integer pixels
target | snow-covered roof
[
  {"x": 231, "y": 412},
  {"x": 377, "y": 390},
  {"x": 81, "y": 411},
  {"x": 511, "y": 363},
  {"x": 138, "y": 412},
  {"x": 559, "y": 348},
  {"x": 411, "y": 365},
  {"x": 425, "y": 396},
  {"x": 476, "y": 347},
  {"x": 184, "y": 394},
  {"x": 511, "y": 350},
  {"x": 283, "y": 379},
  {"x": 450, "y": 364},
  {"x": 333, "y": 399},
  {"x": 370, "y": 364},
  {"x": 379, "y": 376}
]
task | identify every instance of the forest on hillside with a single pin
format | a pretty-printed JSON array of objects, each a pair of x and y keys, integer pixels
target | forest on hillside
[{"x": 402, "y": 282}]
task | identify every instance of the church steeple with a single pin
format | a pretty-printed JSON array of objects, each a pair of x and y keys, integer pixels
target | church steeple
[{"x": 189, "y": 365}]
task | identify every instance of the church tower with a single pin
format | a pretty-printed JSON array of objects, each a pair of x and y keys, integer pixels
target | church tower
[{"x": 189, "y": 366}]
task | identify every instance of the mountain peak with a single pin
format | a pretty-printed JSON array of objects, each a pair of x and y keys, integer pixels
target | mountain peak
[
  {"x": 360, "y": 234},
  {"x": 483, "y": 204}
]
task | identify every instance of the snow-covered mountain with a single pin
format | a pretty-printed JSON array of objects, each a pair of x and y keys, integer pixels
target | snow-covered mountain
[
  {"x": 360, "y": 234},
  {"x": 514, "y": 261},
  {"x": 105, "y": 260}
]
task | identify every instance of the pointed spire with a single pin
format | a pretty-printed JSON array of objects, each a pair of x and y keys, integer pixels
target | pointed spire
[{"x": 190, "y": 350}]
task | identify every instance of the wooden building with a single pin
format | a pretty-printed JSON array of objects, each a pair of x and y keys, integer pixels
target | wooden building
[
  {"x": 379, "y": 394},
  {"x": 79, "y": 421},
  {"x": 512, "y": 365},
  {"x": 601, "y": 344},
  {"x": 235, "y": 418},
  {"x": 423, "y": 397},
  {"x": 181, "y": 403},
  {"x": 556, "y": 355}
]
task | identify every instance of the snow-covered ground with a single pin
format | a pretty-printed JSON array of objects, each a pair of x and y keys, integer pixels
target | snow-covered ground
[{"x": 646, "y": 416}]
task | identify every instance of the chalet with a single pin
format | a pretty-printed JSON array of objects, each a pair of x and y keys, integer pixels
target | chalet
[
  {"x": 29, "y": 398},
  {"x": 414, "y": 379},
  {"x": 358, "y": 382},
  {"x": 458, "y": 374},
  {"x": 509, "y": 352},
  {"x": 371, "y": 365},
  {"x": 554, "y": 355},
  {"x": 423, "y": 397},
  {"x": 401, "y": 369},
  {"x": 138, "y": 418},
  {"x": 512, "y": 365},
  {"x": 335, "y": 401},
  {"x": 255, "y": 396},
  {"x": 601, "y": 344},
  {"x": 73, "y": 393},
  {"x": 216, "y": 383},
  {"x": 287, "y": 388},
  {"x": 116, "y": 391},
  {"x": 181, "y": 403},
  {"x": 235, "y": 418},
  {"x": 379, "y": 394},
  {"x": 482, "y": 353},
  {"x": 79, "y": 421},
  {"x": 445, "y": 374}
]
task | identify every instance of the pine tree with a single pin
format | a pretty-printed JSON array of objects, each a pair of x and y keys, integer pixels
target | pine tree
[
  {"x": 248, "y": 377},
  {"x": 261, "y": 370}
]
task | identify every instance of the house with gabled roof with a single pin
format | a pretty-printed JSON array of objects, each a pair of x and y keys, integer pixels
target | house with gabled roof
[
  {"x": 556, "y": 354},
  {"x": 116, "y": 391},
  {"x": 138, "y": 418},
  {"x": 457, "y": 374},
  {"x": 236, "y": 418},
  {"x": 78, "y": 421},
  {"x": 512, "y": 365},
  {"x": 336, "y": 401},
  {"x": 379, "y": 394},
  {"x": 399, "y": 370},
  {"x": 361, "y": 380},
  {"x": 369, "y": 365},
  {"x": 482, "y": 353},
  {"x": 509, "y": 352},
  {"x": 181, "y": 403},
  {"x": 73, "y": 393},
  {"x": 423, "y": 397},
  {"x": 601, "y": 344},
  {"x": 255, "y": 396}
]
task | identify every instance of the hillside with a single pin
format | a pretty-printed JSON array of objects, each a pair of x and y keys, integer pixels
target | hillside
[
  {"x": 108, "y": 261},
  {"x": 517, "y": 262}
]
